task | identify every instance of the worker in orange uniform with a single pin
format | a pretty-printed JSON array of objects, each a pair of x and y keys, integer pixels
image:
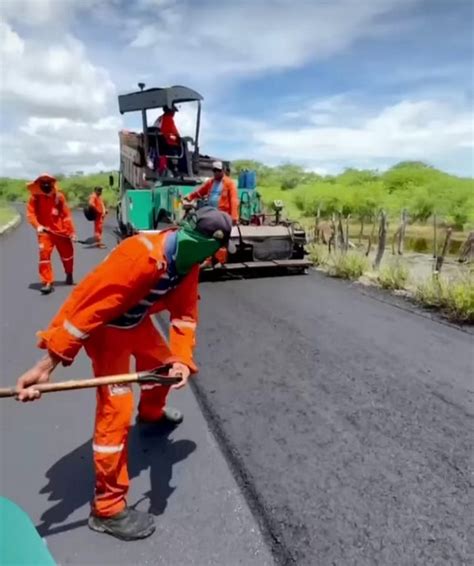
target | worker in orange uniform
[
  {"x": 97, "y": 204},
  {"x": 109, "y": 314},
  {"x": 220, "y": 192},
  {"x": 47, "y": 211},
  {"x": 167, "y": 126}
]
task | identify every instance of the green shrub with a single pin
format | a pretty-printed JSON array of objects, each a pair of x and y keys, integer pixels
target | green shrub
[
  {"x": 318, "y": 254},
  {"x": 455, "y": 298},
  {"x": 393, "y": 276},
  {"x": 350, "y": 265}
]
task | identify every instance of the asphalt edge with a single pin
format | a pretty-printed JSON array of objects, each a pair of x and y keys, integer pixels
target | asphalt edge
[
  {"x": 243, "y": 478},
  {"x": 9, "y": 226}
]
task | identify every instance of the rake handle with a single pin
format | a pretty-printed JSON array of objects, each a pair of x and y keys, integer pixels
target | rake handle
[{"x": 140, "y": 377}]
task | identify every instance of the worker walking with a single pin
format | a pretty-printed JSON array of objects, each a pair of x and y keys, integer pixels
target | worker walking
[
  {"x": 47, "y": 211},
  {"x": 97, "y": 204},
  {"x": 109, "y": 313}
]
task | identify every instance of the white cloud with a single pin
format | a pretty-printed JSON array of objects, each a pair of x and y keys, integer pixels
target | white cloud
[
  {"x": 212, "y": 39},
  {"x": 418, "y": 129},
  {"x": 60, "y": 145},
  {"x": 53, "y": 79}
]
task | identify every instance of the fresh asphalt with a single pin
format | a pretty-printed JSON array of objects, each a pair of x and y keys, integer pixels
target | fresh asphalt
[
  {"x": 334, "y": 427},
  {"x": 202, "y": 517}
]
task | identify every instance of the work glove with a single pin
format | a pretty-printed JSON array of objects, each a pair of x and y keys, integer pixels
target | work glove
[
  {"x": 73, "y": 238},
  {"x": 40, "y": 229}
]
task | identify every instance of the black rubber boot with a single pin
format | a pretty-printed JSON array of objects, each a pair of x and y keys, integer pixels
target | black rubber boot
[
  {"x": 46, "y": 289},
  {"x": 170, "y": 416},
  {"x": 129, "y": 524},
  {"x": 69, "y": 279}
]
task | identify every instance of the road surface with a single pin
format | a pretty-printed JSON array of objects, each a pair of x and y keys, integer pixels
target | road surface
[
  {"x": 46, "y": 457},
  {"x": 345, "y": 420}
]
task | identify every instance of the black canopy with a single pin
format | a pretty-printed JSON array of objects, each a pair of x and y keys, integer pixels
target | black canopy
[{"x": 156, "y": 98}]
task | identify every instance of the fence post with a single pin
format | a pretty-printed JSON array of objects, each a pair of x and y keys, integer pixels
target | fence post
[
  {"x": 340, "y": 232},
  {"x": 371, "y": 236},
  {"x": 332, "y": 239},
  {"x": 382, "y": 239},
  {"x": 347, "y": 232},
  {"x": 435, "y": 236},
  {"x": 440, "y": 258},
  {"x": 401, "y": 234},
  {"x": 316, "y": 224},
  {"x": 361, "y": 233}
]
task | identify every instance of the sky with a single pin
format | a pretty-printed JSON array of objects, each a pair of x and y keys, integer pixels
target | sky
[{"x": 327, "y": 84}]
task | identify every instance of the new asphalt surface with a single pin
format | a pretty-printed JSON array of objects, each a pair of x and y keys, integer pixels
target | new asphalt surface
[
  {"x": 46, "y": 456},
  {"x": 345, "y": 419}
]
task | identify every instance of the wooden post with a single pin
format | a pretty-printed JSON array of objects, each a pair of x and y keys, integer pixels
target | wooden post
[
  {"x": 316, "y": 224},
  {"x": 394, "y": 238},
  {"x": 435, "y": 236},
  {"x": 382, "y": 239},
  {"x": 371, "y": 236},
  {"x": 332, "y": 239},
  {"x": 467, "y": 249},
  {"x": 440, "y": 258},
  {"x": 340, "y": 232},
  {"x": 346, "y": 247},
  {"x": 403, "y": 227},
  {"x": 361, "y": 233}
]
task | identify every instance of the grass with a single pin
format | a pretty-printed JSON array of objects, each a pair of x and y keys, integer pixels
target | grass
[
  {"x": 6, "y": 214},
  {"x": 393, "y": 276},
  {"x": 350, "y": 265},
  {"x": 454, "y": 298}
]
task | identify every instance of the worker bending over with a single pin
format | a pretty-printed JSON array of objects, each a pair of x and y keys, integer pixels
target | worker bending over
[
  {"x": 97, "y": 204},
  {"x": 47, "y": 211},
  {"x": 109, "y": 313}
]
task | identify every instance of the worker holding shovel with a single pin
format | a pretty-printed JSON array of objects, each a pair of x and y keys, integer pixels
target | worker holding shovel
[
  {"x": 48, "y": 212},
  {"x": 109, "y": 313}
]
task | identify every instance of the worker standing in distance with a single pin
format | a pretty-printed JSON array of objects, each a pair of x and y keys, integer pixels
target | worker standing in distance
[
  {"x": 47, "y": 211},
  {"x": 109, "y": 313},
  {"x": 220, "y": 192},
  {"x": 97, "y": 204}
]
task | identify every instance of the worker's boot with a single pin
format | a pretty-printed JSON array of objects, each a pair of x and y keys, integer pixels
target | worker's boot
[
  {"x": 169, "y": 416},
  {"x": 129, "y": 524},
  {"x": 69, "y": 279},
  {"x": 46, "y": 289}
]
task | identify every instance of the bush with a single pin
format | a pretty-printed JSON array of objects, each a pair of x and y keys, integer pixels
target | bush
[
  {"x": 393, "y": 276},
  {"x": 350, "y": 265},
  {"x": 318, "y": 254},
  {"x": 455, "y": 298}
]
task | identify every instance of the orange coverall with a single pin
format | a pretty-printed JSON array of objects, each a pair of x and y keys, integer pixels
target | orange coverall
[
  {"x": 127, "y": 281},
  {"x": 229, "y": 199},
  {"x": 168, "y": 129},
  {"x": 52, "y": 212},
  {"x": 228, "y": 202},
  {"x": 98, "y": 205}
]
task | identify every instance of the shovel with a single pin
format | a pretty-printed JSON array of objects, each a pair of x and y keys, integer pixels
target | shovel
[{"x": 155, "y": 376}]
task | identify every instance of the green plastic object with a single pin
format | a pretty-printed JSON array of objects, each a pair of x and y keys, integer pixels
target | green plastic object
[
  {"x": 140, "y": 209},
  {"x": 20, "y": 543}
]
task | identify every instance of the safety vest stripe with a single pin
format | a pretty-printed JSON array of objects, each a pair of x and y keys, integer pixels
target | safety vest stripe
[
  {"x": 107, "y": 449},
  {"x": 180, "y": 323},
  {"x": 68, "y": 258},
  {"x": 45, "y": 261},
  {"x": 147, "y": 242},
  {"x": 74, "y": 331}
]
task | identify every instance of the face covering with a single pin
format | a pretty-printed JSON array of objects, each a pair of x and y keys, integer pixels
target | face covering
[
  {"x": 46, "y": 187},
  {"x": 193, "y": 248}
]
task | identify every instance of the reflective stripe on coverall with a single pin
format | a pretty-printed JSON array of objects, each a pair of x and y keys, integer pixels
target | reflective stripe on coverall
[
  {"x": 116, "y": 286},
  {"x": 52, "y": 212}
]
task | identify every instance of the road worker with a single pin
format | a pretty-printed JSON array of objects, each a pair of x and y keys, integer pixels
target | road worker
[
  {"x": 167, "y": 127},
  {"x": 109, "y": 313},
  {"x": 47, "y": 211},
  {"x": 97, "y": 204},
  {"x": 220, "y": 192}
]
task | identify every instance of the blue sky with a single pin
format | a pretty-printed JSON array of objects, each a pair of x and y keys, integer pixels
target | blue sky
[{"x": 327, "y": 84}]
